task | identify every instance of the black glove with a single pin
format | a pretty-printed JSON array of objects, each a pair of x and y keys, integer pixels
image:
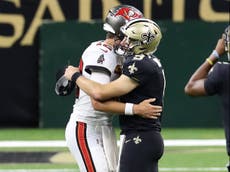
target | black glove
[{"x": 63, "y": 86}]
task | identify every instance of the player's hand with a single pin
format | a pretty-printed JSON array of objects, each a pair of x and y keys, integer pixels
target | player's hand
[
  {"x": 146, "y": 110},
  {"x": 220, "y": 46},
  {"x": 69, "y": 71}
]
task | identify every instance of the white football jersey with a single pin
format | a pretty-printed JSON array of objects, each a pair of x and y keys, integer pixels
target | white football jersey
[{"x": 98, "y": 57}]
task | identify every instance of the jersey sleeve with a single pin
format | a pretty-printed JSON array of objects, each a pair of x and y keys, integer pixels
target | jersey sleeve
[
  {"x": 138, "y": 70},
  {"x": 97, "y": 59},
  {"x": 100, "y": 77},
  {"x": 213, "y": 81}
]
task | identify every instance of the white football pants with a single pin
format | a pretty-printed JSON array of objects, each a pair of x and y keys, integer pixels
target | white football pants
[{"x": 94, "y": 147}]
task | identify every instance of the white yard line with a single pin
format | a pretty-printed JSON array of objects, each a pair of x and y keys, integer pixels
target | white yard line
[
  {"x": 62, "y": 143},
  {"x": 194, "y": 169},
  {"x": 38, "y": 143},
  {"x": 40, "y": 170},
  {"x": 178, "y": 169},
  {"x": 195, "y": 142}
]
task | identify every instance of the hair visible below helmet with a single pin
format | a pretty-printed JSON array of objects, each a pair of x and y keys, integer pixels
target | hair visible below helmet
[
  {"x": 118, "y": 16},
  {"x": 143, "y": 36},
  {"x": 227, "y": 41}
]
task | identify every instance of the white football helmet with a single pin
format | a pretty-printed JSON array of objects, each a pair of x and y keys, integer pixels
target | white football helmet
[{"x": 142, "y": 36}]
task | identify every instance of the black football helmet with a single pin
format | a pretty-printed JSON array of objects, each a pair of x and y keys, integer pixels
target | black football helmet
[{"x": 118, "y": 16}]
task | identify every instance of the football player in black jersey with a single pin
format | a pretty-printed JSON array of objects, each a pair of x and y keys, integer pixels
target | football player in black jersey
[
  {"x": 142, "y": 77},
  {"x": 212, "y": 78}
]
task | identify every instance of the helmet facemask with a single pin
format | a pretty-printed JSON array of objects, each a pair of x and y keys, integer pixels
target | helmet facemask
[
  {"x": 118, "y": 49},
  {"x": 125, "y": 48}
]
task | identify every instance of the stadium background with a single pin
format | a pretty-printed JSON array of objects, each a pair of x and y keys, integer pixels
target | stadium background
[{"x": 39, "y": 36}]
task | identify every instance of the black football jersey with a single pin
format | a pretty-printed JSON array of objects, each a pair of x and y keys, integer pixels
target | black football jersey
[
  {"x": 217, "y": 83},
  {"x": 148, "y": 72}
]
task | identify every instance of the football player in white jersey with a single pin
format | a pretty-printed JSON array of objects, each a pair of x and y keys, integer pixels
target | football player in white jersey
[{"x": 89, "y": 133}]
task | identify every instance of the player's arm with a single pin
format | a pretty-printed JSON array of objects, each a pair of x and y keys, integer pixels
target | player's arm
[
  {"x": 143, "y": 109},
  {"x": 116, "y": 88},
  {"x": 195, "y": 85},
  {"x": 120, "y": 86}
]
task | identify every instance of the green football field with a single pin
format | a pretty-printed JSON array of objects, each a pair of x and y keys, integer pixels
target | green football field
[{"x": 177, "y": 158}]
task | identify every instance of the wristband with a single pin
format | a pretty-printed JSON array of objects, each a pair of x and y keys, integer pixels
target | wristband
[
  {"x": 209, "y": 61},
  {"x": 128, "y": 108},
  {"x": 75, "y": 76},
  {"x": 215, "y": 54}
]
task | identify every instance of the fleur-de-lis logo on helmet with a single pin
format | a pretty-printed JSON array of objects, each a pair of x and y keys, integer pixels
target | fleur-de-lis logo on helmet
[{"x": 147, "y": 37}]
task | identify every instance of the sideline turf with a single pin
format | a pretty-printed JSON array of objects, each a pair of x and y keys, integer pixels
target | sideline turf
[
  {"x": 59, "y": 133},
  {"x": 174, "y": 157}
]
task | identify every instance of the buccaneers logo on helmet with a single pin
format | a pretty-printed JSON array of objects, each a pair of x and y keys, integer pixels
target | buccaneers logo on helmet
[{"x": 128, "y": 13}]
